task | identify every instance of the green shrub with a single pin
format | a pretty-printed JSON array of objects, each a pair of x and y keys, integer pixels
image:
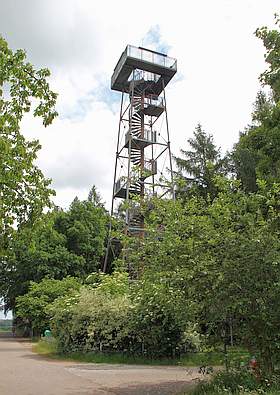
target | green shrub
[
  {"x": 96, "y": 319},
  {"x": 239, "y": 382},
  {"x": 160, "y": 316},
  {"x": 232, "y": 382},
  {"x": 111, "y": 315},
  {"x": 33, "y": 307}
]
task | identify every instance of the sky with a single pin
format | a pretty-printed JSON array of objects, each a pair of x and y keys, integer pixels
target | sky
[{"x": 80, "y": 41}]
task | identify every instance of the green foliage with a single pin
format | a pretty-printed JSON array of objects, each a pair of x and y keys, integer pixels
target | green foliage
[
  {"x": 222, "y": 260},
  {"x": 271, "y": 41},
  {"x": 24, "y": 190},
  {"x": 96, "y": 319},
  {"x": 60, "y": 244},
  {"x": 238, "y": 382},
  {"x": 233, "y": 382},
  {"x": 213, "y": 265},
  {"x": 256, "y": 155},
  {"x": 38, "y": 251},
  {"x": 32, "y": 307},
  {"x": 160, "y": 314},
  {"x": 199, "y": 166},
  {"x": 50, "y": 349},
  {"x": 114, "y": 316},
  {"x": 84, "y": 227}
]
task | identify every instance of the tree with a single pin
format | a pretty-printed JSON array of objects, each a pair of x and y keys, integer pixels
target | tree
[
  {"x": 94, "y": 197},
  {"x": 222, "y": 259},
  {"x": 199, "y": 165},
  {"x": 85, "y": 227},
  {"x": 235, "y": 275},
  {"x": 33, "y": 306},
  {"x": 257, "y": 153},
  {"x": 24, "y": 191},
  {"x": 271, "y": 41},
  {"x": 61, "y": 243},
  {"x": 36, "y": 252},
  {"x": 160, "y": 314}
]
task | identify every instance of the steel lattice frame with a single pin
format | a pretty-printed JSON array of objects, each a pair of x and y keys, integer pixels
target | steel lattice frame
[{"x": 141, "y": 149}]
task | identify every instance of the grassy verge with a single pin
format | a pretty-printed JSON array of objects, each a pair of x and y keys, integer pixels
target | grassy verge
[
  {"x": 5, "y": 329},
  {"x": 238, "y": 382},
  {"x": 198, "y": 391},
  {"x": 49, "y": 350},
  {"x": 225, "y": 392}
]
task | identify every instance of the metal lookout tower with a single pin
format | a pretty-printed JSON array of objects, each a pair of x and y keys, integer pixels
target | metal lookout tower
[{"x": 143, "y": 144}]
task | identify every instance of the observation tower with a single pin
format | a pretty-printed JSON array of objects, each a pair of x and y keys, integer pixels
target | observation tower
[{"x": 143, "y": 152}]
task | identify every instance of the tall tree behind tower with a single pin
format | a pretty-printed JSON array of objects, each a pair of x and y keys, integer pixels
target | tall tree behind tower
[
  {"x": 257, "y": 153},
  {"x": 199, "y": 166}
]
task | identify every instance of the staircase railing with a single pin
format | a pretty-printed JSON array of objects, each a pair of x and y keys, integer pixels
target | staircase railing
[{"x": 149, "y": 135}]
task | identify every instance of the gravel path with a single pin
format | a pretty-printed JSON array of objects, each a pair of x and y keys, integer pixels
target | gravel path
[{"x": 25, "y": 373}]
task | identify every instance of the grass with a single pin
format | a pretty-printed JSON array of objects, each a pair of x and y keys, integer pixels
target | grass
[
  {"x": 215, "y": 358},
  {"x": 5, "y": 329},
  {"x": 227, "y": 392},
  {"x": 48, "y": 349},
  {"x": 238, "y": 382},
  {"x": 224, "y": 392}
]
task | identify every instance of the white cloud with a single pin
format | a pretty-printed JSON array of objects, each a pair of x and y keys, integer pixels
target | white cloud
[{"x": 219, "y": 60}]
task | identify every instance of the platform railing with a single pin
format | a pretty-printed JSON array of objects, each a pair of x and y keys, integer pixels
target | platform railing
[
  {"x": 149, "y": 136},
  {"x": 138, "y": 75},
  {"x": 154, "y": 101},
  {"x": 151, "y": 56}
]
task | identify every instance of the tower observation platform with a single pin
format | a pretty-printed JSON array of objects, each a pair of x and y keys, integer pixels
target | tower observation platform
[
  {"x": 143, "y": 163},
  {"x": 160, "y": 67}
]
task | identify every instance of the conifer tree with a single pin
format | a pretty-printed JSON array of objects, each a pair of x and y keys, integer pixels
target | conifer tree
[{"x": 199, "y": 165}]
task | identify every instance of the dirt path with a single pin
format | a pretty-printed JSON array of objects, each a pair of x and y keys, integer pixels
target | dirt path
[{"x": 25, "y": 373}]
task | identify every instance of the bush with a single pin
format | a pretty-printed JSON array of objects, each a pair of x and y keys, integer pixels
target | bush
[
  {"x": 232, "y": 382},
  {"x": 32, "y": 308},
  {"x": 111, "y": 315},
  {"x": 96, "y": 319},
  {"x": 160, "y": 316},
  {"x": 239, "y": 382}
]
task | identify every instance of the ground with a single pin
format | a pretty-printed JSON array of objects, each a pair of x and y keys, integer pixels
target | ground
[{"x": 26, "y": 373}]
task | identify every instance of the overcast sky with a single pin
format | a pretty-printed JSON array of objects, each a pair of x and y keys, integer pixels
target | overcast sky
[{"x": 80, "y": 41}]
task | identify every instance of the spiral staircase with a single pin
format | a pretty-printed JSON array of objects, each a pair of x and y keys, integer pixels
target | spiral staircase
[{"x": 142, "y": 102}]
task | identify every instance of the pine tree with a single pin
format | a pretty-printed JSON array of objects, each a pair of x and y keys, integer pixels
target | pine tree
[{"x": 199, "y": 166}]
